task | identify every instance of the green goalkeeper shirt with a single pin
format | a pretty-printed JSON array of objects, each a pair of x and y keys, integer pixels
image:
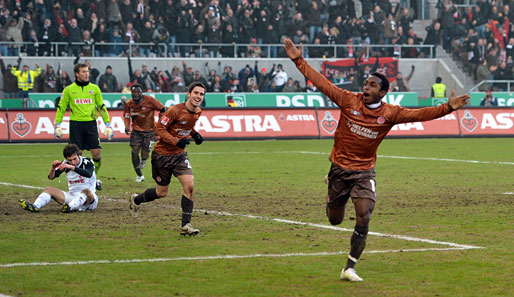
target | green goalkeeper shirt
[{"x": 84, "y": 100}]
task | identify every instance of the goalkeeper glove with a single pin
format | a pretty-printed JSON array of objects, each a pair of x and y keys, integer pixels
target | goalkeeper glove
[
  {"x": 108, "y": 131},
  {"x": 198, "y": 138},
  {"x": 182, "y": 143},
  {"x": 58, "y": 131}
]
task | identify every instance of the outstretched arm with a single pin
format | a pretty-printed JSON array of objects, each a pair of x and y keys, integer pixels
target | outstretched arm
[
  {"x": 457, "y": 102},
  {"x": 322, "y": 83}
]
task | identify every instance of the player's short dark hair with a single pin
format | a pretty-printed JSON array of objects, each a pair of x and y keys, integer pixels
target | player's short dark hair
[
  {"x": 194, "y": 85},
  {"x": 136, "y": 86},
  {"x": 384, "y": 82},
  {"x": 438, "y": 80},
  {"x": 76, "y": 68},
  {"x": 70, "y": 150}
]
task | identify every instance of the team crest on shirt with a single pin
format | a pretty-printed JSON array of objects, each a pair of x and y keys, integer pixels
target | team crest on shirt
[
  {"x": 355, "y": 113},
  {"x": 143, "y": 107},
  {"x": 90, "y": 92},
  {"x": 329, "y": 123},
  {"x": 381, "y": 120},
  {"x": 164, "y": 120}
]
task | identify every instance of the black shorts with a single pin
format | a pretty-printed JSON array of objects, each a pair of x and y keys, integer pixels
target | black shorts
[
  {"x": 343, "y": 184},
  {"x": 164, "y": 166},
  {"x": 84, "y": 135},
  {"x": 142, "y": 139}
]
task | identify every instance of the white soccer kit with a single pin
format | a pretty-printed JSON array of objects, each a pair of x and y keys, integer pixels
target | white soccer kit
[{"x": 77, "y": 182}]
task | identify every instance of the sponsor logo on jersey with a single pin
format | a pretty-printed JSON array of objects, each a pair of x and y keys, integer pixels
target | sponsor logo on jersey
[
  {"x": 381, "y": 120},
  {"x": 80, "y": 180},
  {"x": 362, "y": 131},
  {"x": 83, "y": 101},
  {"x": 329, "y": 123},
  {"x": 469, "y": 122},
  {"x": 164, "y": 120},
  {"x": 183, "y": 132},
  {"x": 20, "y": 126},
  {"x": 183, "y": 122}
]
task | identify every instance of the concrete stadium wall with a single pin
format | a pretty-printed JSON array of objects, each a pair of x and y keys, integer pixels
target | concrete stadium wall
[{"x": 424, "y": 75}]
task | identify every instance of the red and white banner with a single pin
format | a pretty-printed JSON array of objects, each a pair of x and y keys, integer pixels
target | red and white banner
[{"x": 38, "y": 125}]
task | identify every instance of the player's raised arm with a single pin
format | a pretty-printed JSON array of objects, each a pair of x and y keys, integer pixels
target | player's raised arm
[
  {"x": 457, "y": 102},
  {"x": 321, "y": 82}
]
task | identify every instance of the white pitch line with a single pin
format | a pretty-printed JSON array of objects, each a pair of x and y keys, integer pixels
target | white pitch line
[
  {"x": 446, "y": 160},
  {"x": 21, "y": 186},
  {"x": 408, "y": 238},
  {"x": 509, "y": 193},
  {"x": 219, "y": 257}
]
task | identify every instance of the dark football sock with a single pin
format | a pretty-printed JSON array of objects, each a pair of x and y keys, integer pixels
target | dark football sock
[
  {"x": 187, "y": 210},
  {"x": 97, "y": 163},
  {"x": 147, "y": 196},
  {"x": 136, "y": 163},
  {"x": 358, "y": 243}
]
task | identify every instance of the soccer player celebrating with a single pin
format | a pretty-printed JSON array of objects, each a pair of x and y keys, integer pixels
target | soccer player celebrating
[
  {"x": 84, "y": 100},
  {"x": 141, "y": 109},
  {"x": 169, "y": 157},
  {"x": 364, "y": 122},
  {"x": 80, "y": 172}
]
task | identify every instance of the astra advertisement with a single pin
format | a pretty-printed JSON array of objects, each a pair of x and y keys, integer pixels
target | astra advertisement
[{"x": 38, "y": 125}]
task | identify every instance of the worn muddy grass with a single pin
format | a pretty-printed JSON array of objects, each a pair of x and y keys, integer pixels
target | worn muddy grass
[{"x": 423, "y": 197}]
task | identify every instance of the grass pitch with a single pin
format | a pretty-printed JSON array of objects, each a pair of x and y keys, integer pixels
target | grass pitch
[{"x": 449, "y": 190}]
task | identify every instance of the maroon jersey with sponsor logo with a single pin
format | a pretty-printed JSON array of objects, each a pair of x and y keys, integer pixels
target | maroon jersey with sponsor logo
[
  {"x": 176, "y": 123},
  {"x": 360, "y": 129},
  {"x": 142, "y": 113}
]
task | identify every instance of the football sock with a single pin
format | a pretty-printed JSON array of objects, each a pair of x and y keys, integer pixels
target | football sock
[
  {"x": 136, "y": 163},
  {"x": 147, "y": 196},
  {"x": 42, "y": 200},
  {"x": 77, "y": 202},
  {"x": 187, "y": 210},
  {"x": 358, "y": 243},
  {"x": 97, "y": 163}
]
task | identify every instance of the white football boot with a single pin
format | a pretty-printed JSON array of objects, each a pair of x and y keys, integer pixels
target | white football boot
[
  {"x": 140, "y": 179},
  {"x": 350, "y": 275},
  {"x": 133, "y": 207}
]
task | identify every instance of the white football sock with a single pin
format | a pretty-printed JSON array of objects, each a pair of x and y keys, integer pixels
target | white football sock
[
  {"x": 77, "y": 202},
  {"x": 42, "y": 200}
]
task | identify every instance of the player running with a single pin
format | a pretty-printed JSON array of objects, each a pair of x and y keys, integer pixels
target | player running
[
  {"x": 80, "y": 172},
  {"x": 364, "y": 122},
  {"x": 141, "y": 109},
  {"x": 169, "y": 157},
  {"x": 84, "y": 100}
]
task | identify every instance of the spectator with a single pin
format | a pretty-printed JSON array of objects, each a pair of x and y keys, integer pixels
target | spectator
[
  {"x": 126, "y": 10},
  {"x": 177, "y": 83},
  {"x": 483, "y": 74},
  {"x": 447, "y": 25},
  {"x": 26, "y": 79},
  {"x": 214, "y": 36},
  {"x": 135, "y": 76},
  {"x": 199, "y": 78},
  {"x": 116, "y": 49},
  {"x": 14, "y": 33},
  {"x": 48, "y": 81},
  {"x": 187, "y": 73},
  {"x": 279, "y": 77},
  {"x": 93, "y": 72},
  {"x": 401, "y": 84},
  {"x": 64, "y": 79},
  {"x": 200, "y": 37},
  {"x": 74, "y": 38},
  {"x": 146, "y": 37},
  {"x": 33, "y": 46},
  {"x": 101, "y": 36},
  {"x": 289, "y": 87},
  {"x": 244, "y": 74},
  {"x": 263, "y": 77},
  {"x": 489, "y": 100},
  {"x": 131, "y": 36},
  {"x": 310, "y": 87},
  {"x": 254, "y": 50},
  {"x": 163, "y": 85},
  {"x": 47, "y": 35},
  {"x": 228, "y": 37},
  {"x": 271, "y": 37},
  {"x": 236, "y": 87},
  {"x": 10, "y": 81},
  {"x": 438, "y": 89},
  {"x": 87, "y": 46},
  {"x": 313, "y": 17},
  {"x": 113, "y": 14},
  {"x": 107, "y": 81}
]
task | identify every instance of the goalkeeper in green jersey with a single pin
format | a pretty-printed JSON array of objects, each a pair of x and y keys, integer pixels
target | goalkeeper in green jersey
[{"x": 85, "y": 101}]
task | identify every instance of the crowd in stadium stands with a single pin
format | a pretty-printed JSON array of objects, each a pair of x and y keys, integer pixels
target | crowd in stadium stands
[{"x": 477, "y": 34}]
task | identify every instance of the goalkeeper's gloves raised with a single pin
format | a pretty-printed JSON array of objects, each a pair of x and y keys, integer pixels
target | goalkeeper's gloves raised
[
  {"x": 108, "y": 131},
  {"x": 182, "y": 143},
  {"x": 198, "y": 138},
  {"x": 58, "y": 131}
]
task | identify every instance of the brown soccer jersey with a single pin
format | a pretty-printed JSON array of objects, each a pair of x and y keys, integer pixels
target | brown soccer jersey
[
  {"x": 361, "y": 129},
  {"x": 142, "y": 113},
  {"x": 176, "y": 123}
]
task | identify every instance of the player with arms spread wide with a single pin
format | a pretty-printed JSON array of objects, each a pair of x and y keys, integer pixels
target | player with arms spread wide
[
  {"x": 141, "y": 110},
  {"x": 169, "y": 157},
  {"x": 80, "y": 173},
  {"x": 84, "y": 100},
  {"x": 364, "y": 122}
]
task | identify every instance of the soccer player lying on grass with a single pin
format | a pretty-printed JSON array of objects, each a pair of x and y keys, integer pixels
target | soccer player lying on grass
[
  {"x": 364, "y": 122},
  {"x": 80, "y": 172},
  {"x": 170, "y": 158}
]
